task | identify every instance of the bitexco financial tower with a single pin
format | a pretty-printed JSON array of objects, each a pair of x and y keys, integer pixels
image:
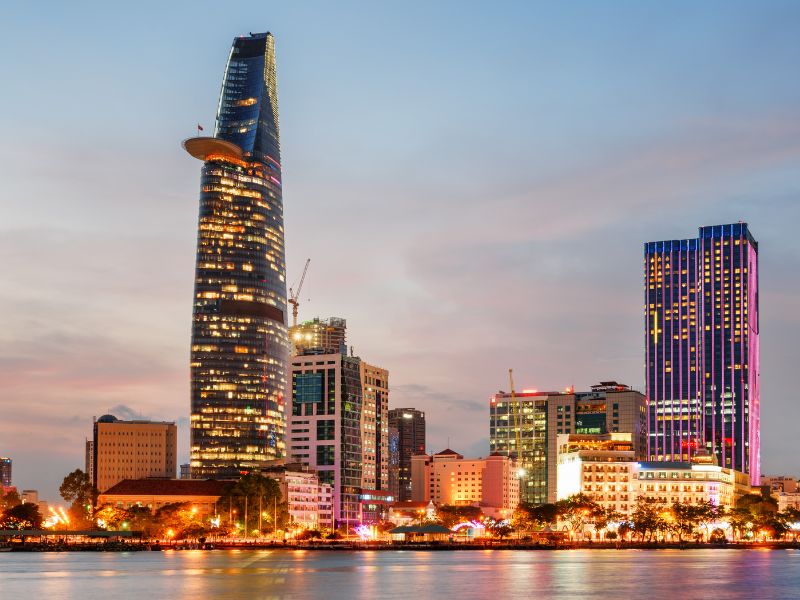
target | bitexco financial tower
[{"x": 240, "y": 344}]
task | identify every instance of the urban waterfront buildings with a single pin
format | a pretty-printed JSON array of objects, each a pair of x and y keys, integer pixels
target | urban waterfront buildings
[
  {"x": 604, "y": 468},
  {"x": 131, "y": 450},
  {"x": 5, "y": 471},
  {"x": 406, "y": 438},
  {"x": 526, "y": 427},
  {"x": 240, "y": 345},
  {"x": 339, "y": 426},
  {"x": 702, "y": 348},
  {"x": 324, "y": 336},
  {"x": 447, "y": 478}
]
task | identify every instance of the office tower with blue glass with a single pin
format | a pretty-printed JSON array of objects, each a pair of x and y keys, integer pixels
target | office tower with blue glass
[
  {"x": 240, "y": 346},
  {"x": 702, "y": 348}
]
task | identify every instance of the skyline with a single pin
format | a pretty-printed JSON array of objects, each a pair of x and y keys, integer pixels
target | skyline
[{"x": 579, "y": 150}]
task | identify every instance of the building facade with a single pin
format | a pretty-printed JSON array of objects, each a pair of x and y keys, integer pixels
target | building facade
[
  {"x": 374, "y": 428},
  {"x": 604, "y": 469},
  {"x": 702, "y": 348},
  {"x": 240, "y": 344},
  {"x": 156, "y": 493},
  {"x": 5, "y": 471},
  {"x": 308, "y": 502},
  {"x": 406, "y": 438},
  {"x": 132, "y": 450},
  {"x": 535, "y": 419},
  {"x": 325, "y": 426},
  {"x": 323, "y": 336},
  {"x": 447, "y": 478}
]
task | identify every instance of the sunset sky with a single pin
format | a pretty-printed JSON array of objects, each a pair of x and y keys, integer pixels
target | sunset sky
[{"x": 473, "y": 183}]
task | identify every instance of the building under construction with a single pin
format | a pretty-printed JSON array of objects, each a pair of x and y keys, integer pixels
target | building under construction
[{"x": 320, "y": 336}]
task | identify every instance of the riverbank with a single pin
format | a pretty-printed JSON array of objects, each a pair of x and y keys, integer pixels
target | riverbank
[{"x": 381, "y": 546}]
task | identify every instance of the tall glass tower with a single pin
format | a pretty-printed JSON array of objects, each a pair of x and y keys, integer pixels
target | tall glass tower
[
  {"x": 702, "y": 347},
  {"x": 240, "y": 345}
]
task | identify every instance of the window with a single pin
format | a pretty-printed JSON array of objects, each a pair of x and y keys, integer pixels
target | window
[
  {"x": 326, "y": 429},
  {"x": 325, "y": 455}
]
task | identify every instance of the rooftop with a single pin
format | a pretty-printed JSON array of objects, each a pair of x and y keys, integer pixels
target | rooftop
[{"x": 169, "y": 487}]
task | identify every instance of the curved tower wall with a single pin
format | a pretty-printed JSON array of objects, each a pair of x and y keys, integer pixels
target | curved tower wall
[{"x": 240, "y": 345}]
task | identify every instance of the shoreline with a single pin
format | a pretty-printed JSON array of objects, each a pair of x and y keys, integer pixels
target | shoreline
[{"x": 387, "y": 547}]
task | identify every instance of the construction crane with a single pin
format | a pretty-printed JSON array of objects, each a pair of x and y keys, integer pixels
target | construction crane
[
  {"x": 515, "y": 406},
  {"x": 294, "y": 295}
]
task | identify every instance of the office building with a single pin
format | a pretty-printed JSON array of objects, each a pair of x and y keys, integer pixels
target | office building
[
  {"x": 88, "y": 458},
  {"x": 447, "y": 478},
  {"x": 374, "y": 428},
  {"x": 240, "y": 344},
  {"x": 132, "y": 450},
  {"x": 406, "y": 438},
  {"x": 30, "y": 497},
  {"x": 526, "y": 427},
  {"x": 339, "y": 427},
  {"x": 702, "y": 348},
  {"x": 5, "y": 471}
]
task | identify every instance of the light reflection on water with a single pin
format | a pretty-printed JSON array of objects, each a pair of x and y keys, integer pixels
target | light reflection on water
[{"x": 706, "y": 573}]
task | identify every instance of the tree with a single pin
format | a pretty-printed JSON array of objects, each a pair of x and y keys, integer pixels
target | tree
[
  {"x": 532, "y": 516},
  {"x": 577, "y": 510},
  {"x": 252, "y": 500},
  {"x": 500, "y": 529},
  {"x": 9, "y": 500},
  {"x": 647, "y": 519},
  {"x": 77, "y": 489},
  {"x": 21, "y": 516},
  {"x": 451, "y": 515},
  {"x": 740, "y": 520},
  {"x": 604, "y": 517},
  {"x": 685, "y": 519}
]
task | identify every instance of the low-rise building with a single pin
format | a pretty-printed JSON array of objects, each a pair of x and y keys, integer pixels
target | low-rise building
[
  {"x": 780, "y": 484},
  {"x": 309, "y": 502},
  {"x": 447, "y": 478},
  {"x": 599, "y": 466},
  {"x": 155, "y": 493},
  {"x": 787, "y": 500},
  {"x": 604, "y": 468}
]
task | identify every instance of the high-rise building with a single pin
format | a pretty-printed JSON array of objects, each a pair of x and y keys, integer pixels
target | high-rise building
[
  {"x": 374, "y": 427},
  {"x": 534, "y": 420},
  {"x": 240, "y": 345},
  {"x": 132, "y": 450},
  {"x": 323, "y": 336},
  {"x": 339, "y": 425},
  {"x": 406, "y": 438},
  {"x": 702, "y": 348},
  {"x": 5, "y": 472}
]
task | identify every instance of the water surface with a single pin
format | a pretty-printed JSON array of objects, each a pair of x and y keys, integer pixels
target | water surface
[{"x": 414, "y": 575}]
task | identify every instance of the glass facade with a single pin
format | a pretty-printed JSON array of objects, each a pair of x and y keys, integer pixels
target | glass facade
[
  {"x": 240, "y": 346},
  {"x": 702, "y": 347},
  {"x": 407, "y": 438}
]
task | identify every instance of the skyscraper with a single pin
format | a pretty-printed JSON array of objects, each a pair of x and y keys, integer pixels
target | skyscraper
[
  {"x": 702, "y": 348},
  {"x": 406, "y": 438},
  {"x": 5, "y": 472},
  {"x": 240, "y": 344}
]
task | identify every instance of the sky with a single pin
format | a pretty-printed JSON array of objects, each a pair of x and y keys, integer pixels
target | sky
[{"x": 473, "y": 183}]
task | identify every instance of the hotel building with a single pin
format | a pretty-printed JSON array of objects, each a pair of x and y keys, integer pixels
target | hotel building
[
  {"x": 240, "y": 345},
  {"x": 702, "y": 348}
]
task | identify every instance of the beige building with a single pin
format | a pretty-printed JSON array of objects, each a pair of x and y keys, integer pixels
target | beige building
[
  {"x": 447, "y": 478},
  {"x": 132, "y": 450},
  {"x": 780, "y": 484},
  {"x": 155, "y": 493},
  {"x": 374, "y": 428},
  {"x": 604, "y": 468},
  {"x": 309, "y": 502}
]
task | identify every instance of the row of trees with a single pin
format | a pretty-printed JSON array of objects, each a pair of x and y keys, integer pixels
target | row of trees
[{"x": 755, "y": 516}]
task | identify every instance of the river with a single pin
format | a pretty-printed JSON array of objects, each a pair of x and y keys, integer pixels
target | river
[{"x": 414, "y": 575}]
